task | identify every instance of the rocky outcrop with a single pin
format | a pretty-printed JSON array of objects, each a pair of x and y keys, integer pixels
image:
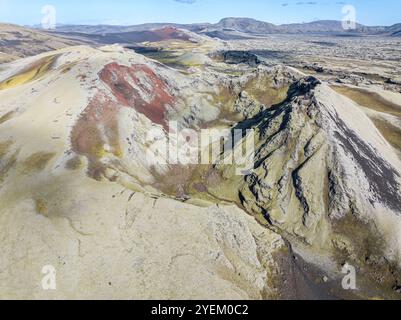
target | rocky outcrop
[
  {"x": 236, "y": 57},
  {"x": 317, "y": 167},
  {"x": 247, "y": 106}
]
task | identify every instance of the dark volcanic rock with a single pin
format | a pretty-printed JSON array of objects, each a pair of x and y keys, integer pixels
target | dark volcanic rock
[{"x": 236, "y": 57}]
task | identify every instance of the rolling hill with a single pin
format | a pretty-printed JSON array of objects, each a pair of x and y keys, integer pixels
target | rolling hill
[{"x": 18, "y": 42}]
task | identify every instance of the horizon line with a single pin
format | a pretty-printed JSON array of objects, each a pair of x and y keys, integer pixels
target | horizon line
[{"x": 193, "y": 23}]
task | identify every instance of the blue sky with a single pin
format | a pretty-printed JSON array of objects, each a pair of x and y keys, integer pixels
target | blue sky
[{"x": 369, "y": 12}]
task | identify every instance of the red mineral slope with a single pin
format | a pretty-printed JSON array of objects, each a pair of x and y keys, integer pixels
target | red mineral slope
[
  {"x": 97, "y": 123},
  {"x": 140, "y": 88},
  {"x": 171, "y": 33},
  {"x": 136, "y": 87},
  {"x": 157, "y": 35}
]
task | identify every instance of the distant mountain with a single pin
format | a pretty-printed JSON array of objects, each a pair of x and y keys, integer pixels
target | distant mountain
[
  {"x": 327, "y": 26},
  {"x": 130, "y": 37},
  {"x": 251, "y": 26},
  {"x": 247, "y": 25},
  {"x": 394, "y": 30},
  {"x": 106, "y": 29},
  {"x": 236, "y": 28}
]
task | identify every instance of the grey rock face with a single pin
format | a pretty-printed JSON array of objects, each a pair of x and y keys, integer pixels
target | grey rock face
[
  {"x": 312, "y": 169},
  {"x": 246, "y": 106},
  {"x": 236, "y": 57}
]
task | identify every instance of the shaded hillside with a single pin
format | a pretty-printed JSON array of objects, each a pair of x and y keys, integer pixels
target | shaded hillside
[{"x": 165, "y": 33}]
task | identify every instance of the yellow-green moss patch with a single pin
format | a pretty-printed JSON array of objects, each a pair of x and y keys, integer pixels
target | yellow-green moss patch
[
  {"x": 37, "y": 162},
  {"x": 6, "y": 165},
  {"x": 74, "y": 163},
  {"x": 6, "y": 117},
  {"x": 33, "y": 72},
  {"x": 390, "y": 132},
  {"x": 41, "y": 207},
  {"x": 263, "y": 90},
  {"x": 4, "y": 148},
  {"x": 369, "y": 99}
]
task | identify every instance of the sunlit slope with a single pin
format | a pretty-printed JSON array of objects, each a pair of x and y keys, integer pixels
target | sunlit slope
[
  {"x": 79, "y": 191},
  {"x": 383, "y": 107},
  {"x": 30, "y": 73},
  {"x": 76, "y": 189}
]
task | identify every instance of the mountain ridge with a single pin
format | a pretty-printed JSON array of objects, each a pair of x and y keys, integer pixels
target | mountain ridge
[{"x": 243, "y": 25}]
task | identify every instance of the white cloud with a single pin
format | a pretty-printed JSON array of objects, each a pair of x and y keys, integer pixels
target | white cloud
[{"x": 186, "y": 1}]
